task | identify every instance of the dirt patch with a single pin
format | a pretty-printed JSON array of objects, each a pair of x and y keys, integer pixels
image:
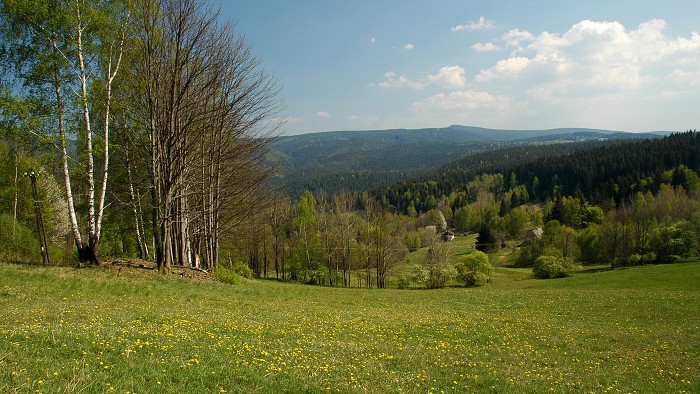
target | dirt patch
[
  {"x": 139, "y": 267},
  {"x": 192, "y": 273}
]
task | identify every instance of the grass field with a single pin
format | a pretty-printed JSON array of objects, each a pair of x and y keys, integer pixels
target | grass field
[{"x": 96, "y": 330}]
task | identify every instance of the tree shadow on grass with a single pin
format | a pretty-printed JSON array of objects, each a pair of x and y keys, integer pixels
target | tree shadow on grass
[{"x": 594, "y": 269}]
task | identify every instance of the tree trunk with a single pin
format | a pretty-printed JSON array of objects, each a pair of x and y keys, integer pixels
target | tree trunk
[
  {"x": 64, "y": 154},
  {"x": 93, "y": 241},
  {"x": 136, "y": 209}
]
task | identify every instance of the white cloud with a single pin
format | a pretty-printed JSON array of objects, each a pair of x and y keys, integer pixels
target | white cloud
[
  {"x": 481, "y": 24},
  {"x": 448, "y": 76},
  {"x": 596, "y": 56},
  {"x": 372, "y": 40},
  {"x": 595, "y": 74},
  {"x": 460, "y": 100},
  {"x": 323, "y": 114},
  {"x": 394, "y": 80},
  {"x": 682, "y": 78},
  {"x": 664, "y": 95},
  {"x": 408, "y": 46},
  {"x": 507, "y": 68},
  {"x": 514, "y": 37},
  {"x": 451, "y": 76},
  {"x": 487, "y": 47}
]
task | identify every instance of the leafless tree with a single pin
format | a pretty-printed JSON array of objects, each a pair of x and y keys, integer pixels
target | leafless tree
[{"x": 205, "y": 110}]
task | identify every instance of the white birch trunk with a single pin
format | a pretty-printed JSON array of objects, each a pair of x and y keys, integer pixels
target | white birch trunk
[
  {"x": 108, "y": 87},
  {"x": 92, "y": 230},
  {"x": 64, "y": 152}
]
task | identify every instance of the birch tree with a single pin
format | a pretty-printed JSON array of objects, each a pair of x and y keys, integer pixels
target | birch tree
[{"x": 63, "y": 52}]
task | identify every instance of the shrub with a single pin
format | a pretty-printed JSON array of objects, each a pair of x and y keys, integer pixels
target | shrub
[
  {"x": 317, "y": 277},
  {"x": 17, "y": 242},
  {"x": 474, "y": 268},
  {"x": 413, "y": 241},
  {"x": 641, "y": 259},
  {"x": 403, "y": 281},
  {"x": 242, "y": 269},
  {"x": 547, "y": 267},
  {"x": 433, "y": 277},
  {"x": 670, "y": 243},
  {"x": 420, "y": 275},
  {"x": 440, "y": 274},
  {"x": 228, "y": 275},
  {"x": 233, "y": 272}
]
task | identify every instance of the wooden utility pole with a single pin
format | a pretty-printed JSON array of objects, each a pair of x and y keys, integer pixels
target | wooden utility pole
[{"x": 39, "y": 219}]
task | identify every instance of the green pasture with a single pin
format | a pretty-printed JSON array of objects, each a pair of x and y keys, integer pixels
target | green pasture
[{"x": 98, "y": 330}]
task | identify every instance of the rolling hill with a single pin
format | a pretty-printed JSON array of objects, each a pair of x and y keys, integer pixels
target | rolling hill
[{"x": 359, "y": 160}]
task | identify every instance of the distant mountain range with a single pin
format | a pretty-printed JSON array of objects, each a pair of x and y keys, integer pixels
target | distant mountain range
[{"x": 358, "y": 160}]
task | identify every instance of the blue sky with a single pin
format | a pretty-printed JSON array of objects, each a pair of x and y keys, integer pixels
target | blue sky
[{"x": 358, "y": 65}]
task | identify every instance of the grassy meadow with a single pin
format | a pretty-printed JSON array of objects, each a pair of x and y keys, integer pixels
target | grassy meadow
[{"x": 96, "y": 330}]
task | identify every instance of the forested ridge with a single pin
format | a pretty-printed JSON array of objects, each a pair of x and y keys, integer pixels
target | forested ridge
[
  {"x": 360, "y": 160},
  {"x": 597, "y": 171},
  {"x": 357, "y": 171}
]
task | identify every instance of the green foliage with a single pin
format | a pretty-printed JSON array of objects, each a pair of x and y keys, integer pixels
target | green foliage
[
  {"x": 670, "y": 243},
  {"x": 403, "y": 281},
  {"x": 17, "y": 242},
  {"x": 467, "y": 218},
  {"x": 433, "y": 277},
  {"x": 474, "y": 268},
  {"x": 550, "y": 266},
  {"x": 413, "y": 241},
  {"x": 420, "y": 275},
  {"x": 440, "y": 274},
  {"x": 228, "y": 275},
  {"x": 515, "y": 221},
  {"x": 573, "y": 176},
  {"x": 641, "y": 259},
  {"x": 588, "y": 241},
  {"x": 411, "y": 211},
  {"x": 236, "y": 267},
  {"x": 592, "y": 214},
  {"x": 317, "y": 277},
  {"x": 531, "y": 249}
]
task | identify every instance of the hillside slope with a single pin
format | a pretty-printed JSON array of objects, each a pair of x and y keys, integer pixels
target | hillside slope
[
  {"x": 596, "y": 170},
  {"x": 357, "y": 160}
]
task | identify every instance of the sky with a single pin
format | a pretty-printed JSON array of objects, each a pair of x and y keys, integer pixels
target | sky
[{"x": 381, "y": 64}]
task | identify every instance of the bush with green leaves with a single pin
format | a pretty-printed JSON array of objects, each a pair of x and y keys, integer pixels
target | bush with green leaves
[
  {"x": 641, "y": 259},
  {"x": 474, "y": 268},
  {"x": 435, "y": 276},
  {"x": 551, "y": 266},
  {"x": 440, "y": 274},
  {"x": 413, "y": 241},
  {"x": 228, "y": 275},
  {"x": 318, "y": 276},
  {"x": 672, "y": 242},
  {"x": 238, "y": 267},
  {"x": 420, "y": 275},
  {"x": 17, "y": 242},
  {"x": 403, "y": 281}
]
